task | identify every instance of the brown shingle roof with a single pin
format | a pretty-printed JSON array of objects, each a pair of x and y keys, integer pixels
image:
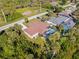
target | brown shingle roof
[{"x": 36, "y": 26}]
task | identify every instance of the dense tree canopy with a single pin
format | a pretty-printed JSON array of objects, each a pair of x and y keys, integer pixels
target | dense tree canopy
[{"x": 14, "y": 44}]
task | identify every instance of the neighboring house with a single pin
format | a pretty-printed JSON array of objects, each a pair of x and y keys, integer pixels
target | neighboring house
[
  {"x": 68, "y": 10},
  {"x": 63, "y": 13},
  {"x": 68, "y": 24},
  {"x": 62, "y": 20},
  {"x": 57, "y": 20},
  {"x": 35, "y": 27},
  {"x": 49, "y": 32},
  {"x": 71, "y": 9}
]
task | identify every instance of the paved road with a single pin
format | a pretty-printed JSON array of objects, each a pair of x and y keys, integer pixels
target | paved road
[
  {"x": 38, "y": 15},
  {"x": 67, "y": 5},
  {"x": 12, "y": 24}
]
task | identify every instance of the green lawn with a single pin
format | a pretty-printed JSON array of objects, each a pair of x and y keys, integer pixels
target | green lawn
[
  {"x": 1, "y": 22},
  {"x": 11, "y": 18},
  {"x": 21, "y": 10},
  {"x": 34, "y": 10}
]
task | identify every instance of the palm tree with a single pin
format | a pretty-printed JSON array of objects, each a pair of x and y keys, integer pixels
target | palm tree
[
  {"x": 1, "y": 9},
  {"x": 7, "y": 8},
  {"x": 3, "y": 15}
]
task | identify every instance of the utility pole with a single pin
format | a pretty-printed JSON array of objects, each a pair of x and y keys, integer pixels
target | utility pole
[
  {"x": 40, "y": 6},
  {"x": 3, "y": 15}
]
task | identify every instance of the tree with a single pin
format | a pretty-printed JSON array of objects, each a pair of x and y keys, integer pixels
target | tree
[
  {"x": 63, "y": 2},
  {"x": 1, "y": 9},
  {"x": 76, "y": 55}
]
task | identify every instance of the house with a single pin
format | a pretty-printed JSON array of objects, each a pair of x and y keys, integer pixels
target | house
[
  {"x": 68, "y": 9},
  {"x": 35, "y": 27},
  {"x": 57, "y": 20},
  {"x": 63, "y": 13},
  {"x": 49, "y": 32},
  {"x": 69, "y": 24},
  {"x": 68, "y": 21},
  {"x": 71, "y": 9}
]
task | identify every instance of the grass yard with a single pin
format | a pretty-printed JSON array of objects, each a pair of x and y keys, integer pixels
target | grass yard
[
  {"x": 21, "y": 10},
  {"x": 1, "y": 22},
  {"x": 16, "y": 16},
  {"x": 11, "y": 18},
  {"x": 34, "y": 10}
]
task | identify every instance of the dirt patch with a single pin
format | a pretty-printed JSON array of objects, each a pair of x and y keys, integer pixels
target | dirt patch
[{"x": 27, "y": 13}]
